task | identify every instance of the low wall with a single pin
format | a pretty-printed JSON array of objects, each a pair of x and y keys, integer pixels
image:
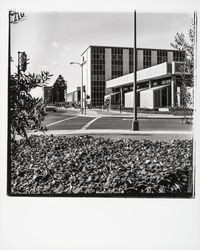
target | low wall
[{"x": 146, "y": 99}]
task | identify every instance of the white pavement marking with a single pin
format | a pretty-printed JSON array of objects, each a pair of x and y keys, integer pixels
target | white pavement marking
[
  {"x": 89, "y": 123},
  {"x": 127, "y": 119},
  {"x": 53, "y": 123}
]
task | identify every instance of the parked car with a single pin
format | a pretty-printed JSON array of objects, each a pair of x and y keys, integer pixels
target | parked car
[{"x": 50, "y": 108}]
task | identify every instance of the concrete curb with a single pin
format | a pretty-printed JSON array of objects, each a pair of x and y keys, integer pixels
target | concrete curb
[
  {"x": 139, "y": 117},
  {"x": 108, "y": 131},
  {"x": 94, "y": 113}
]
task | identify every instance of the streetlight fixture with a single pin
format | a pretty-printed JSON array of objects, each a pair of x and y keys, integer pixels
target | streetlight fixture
[
  {"x": 135, "y": 124},
  {"x": 81, "y": 65}
]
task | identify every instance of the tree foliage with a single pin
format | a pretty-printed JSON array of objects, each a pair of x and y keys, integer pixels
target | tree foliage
[
  {"x": 59, "y": 88},
  {"x": 186, "y": 44},
  {"x": 26, "y": 111}
]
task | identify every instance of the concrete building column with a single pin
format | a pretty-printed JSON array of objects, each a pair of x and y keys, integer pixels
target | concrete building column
[
  {"x": 178, "y": 96},
  {"x": 173, "y": 91},
  {"x": 108, "y": 64},
  {"x": 121, "y": 98},
  {"x": 140, "y": 63},
  {"x": 169, "y": 56},
  {"x": 161, "y": 98},
  {"x": 125, "y": 61},
  {"x": 153, "y": 57},
  {"x": 167, "y": 96},
  {"x": 150, "y": 84}
]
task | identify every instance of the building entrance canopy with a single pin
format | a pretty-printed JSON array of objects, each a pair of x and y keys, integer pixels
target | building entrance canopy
[{"x": 159, "y": 71}]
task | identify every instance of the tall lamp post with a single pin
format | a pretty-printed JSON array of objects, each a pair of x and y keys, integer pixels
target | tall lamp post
[
  {"x": 81, "y": 65},
  {"x": 135, "y": 123}
]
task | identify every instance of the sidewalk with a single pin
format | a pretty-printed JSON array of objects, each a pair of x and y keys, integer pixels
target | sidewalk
[
  {"x": 114, "y": 113},
  {"x": 107, "y": 131},
  {"x": 122, "y": 134}
]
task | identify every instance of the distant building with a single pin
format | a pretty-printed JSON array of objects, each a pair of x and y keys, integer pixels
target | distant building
[
  {"x": 104, "y": 64},
  {"x": 47, "y": 94},
  {"x": 73, "y": 97}
]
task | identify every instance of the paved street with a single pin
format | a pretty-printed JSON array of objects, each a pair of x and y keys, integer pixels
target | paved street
[
  {"x": 144, "y": 124},
  {"x": 69, "y": 123},
  {"x": 72, "y": 121}
]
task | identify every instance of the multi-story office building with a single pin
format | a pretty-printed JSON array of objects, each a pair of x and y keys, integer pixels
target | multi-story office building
[
  {"x": 157, "y": 86},
  {"x": 104, "y": 63}
]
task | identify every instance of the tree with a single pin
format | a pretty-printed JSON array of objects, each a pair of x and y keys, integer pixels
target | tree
[
  {"x": 182, "y": 43},
  {"x": 25, "y": 111},
  {"x": 59, "y": 88},
  {"x": 186, "y": 44}
]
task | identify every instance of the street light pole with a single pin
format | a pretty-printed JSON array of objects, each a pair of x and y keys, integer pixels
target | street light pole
[
  {"x": 135, "y": 124},
  {"x": 81, "y": 89},
  {"x": 81, "y": 65}
]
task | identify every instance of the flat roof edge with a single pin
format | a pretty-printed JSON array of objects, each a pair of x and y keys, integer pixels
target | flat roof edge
[{"x": 125, "y": 47}]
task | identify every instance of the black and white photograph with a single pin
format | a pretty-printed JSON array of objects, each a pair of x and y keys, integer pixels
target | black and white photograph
[
  {"x": 99, "y": 134},
  {"x": 101, "y": 104}
]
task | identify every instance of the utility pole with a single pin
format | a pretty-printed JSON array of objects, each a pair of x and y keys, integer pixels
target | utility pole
[
  {"x": 85, "y": 104},
  {"x": 81, "y": 88},
  {"x": 81, "y": 65},
  {"x": 135, "y": 123},
  {"x": 18, "y": 66}
]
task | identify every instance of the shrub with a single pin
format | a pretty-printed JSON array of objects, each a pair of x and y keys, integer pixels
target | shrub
[{"x": 87, "y": 165}]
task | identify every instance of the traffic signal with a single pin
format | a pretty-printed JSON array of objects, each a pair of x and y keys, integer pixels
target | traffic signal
[
  {"x": 84, "y": 88},
  {"x": 23, "y": 61}
]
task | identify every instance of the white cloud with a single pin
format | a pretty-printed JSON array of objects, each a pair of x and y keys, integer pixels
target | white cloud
[
  {"x": 66, "y": 48},
  {"x": 54, "y": 44}
]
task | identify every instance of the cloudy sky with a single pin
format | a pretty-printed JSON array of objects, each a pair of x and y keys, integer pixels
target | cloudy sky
[{"x": 53, "y": 40}]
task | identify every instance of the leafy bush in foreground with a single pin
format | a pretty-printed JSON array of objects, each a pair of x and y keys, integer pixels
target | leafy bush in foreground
[{"x": 87, "y": 165}]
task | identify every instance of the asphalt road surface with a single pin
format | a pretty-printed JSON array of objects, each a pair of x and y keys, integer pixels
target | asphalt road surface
[
  {"x": 144, "y": 124},
  {"x": 64, "y": 121}
]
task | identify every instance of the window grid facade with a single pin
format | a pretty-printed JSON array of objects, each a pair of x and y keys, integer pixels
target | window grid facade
[
  {"x": 117, "y": 62},
  {"x": 146, "y": 58},
  {"x": 179, "y": 56},
  {"x": 98, "y": 64},
  {"x": 97, "y": 75},
  {"x": 161, "y": 56}
]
